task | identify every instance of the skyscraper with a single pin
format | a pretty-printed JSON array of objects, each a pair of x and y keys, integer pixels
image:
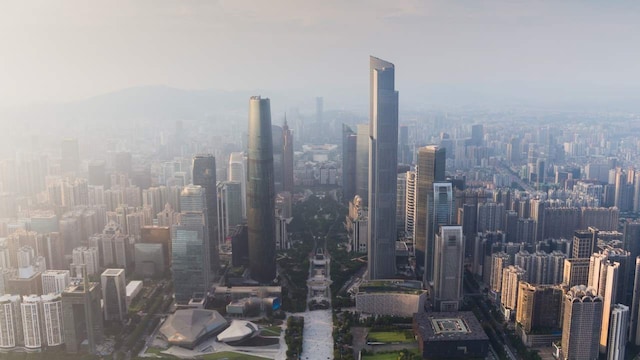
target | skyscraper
[
  {"x": 581, "y": 324},
  {"x": 190, "y": 246},
  {"x": 539, "y": 307},
  {"x": 278, "y": 168},
  {"x": 431, "y": 164},
  {"x": 261, "y": 193},
  {"x": 114, "y": 294},
  {"x": 383, "y": 165},
  {"x": 618, "y": 332},
  {"x": 511, "y": 276},
  {"x": 362, "y": 162},
  {"x": 82, "y": 316},
  {"x": 287, "y": 158},
  {"x": 204, "y": 174},
  {"x": 349, "y": 141},
  {"x": 237, "y": 173},
  {"x": 449, "y": 258},
  {"x": 410, "y": 205}
]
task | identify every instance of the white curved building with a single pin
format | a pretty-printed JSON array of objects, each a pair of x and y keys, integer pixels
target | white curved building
[
  {"x": 52, "y": 317},
  {"x": 10, "y": 321},
  {"x": 31, "y": 321}
]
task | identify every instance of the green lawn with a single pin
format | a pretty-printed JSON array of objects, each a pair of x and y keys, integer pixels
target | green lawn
[
  {"x": 229, "y": 355},
  {"x": 389, "y": 356},
  {"x": 271, "y": 331},
  {"x": 390, "y": 337}
]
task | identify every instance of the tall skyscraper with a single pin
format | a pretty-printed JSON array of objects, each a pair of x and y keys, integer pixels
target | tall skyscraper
[
  {"x": 278, "y": 168},
  {"x": 618, "y": 332},
  {"x": 410, "y": 205},
  {"x": 362, "y": 162},
  {"x": 204, "y": 174},
  {"x": 511, "y": 276},
  {"x": 190, "y": 246},
  {"x": 449, "y": 257},
  {"x": 584, "y": 243},
  {"x": 82, "y": 316},
  {"x": 114, "y": 294},
  {"x": 52, "y": 314},
  {"x": 431, "y": 164},
  {"x": 349, "y": 142},
  {"x": 10, "y": 321},
  {"x": 287, "y": 158},
  {"x": 383, "y": 167},
  {"x": 581, "y": 324},
  {"x": 442, "y": 205},
  {"x": 237, "y": 173},
  {"x": 576, "y": 272},
  {"x": 261, "y": 193},
  {"x": 603, "y": 277}
]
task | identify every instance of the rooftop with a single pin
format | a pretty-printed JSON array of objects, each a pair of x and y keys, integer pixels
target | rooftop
[{"x": 449, "y": 326}]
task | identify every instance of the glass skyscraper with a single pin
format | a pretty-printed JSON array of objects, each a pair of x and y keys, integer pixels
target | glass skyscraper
[
  {"x": 204, "y": 174},
  {"x": 261, "y": 193},
  {"x": 383, "y": 169},
  {"x": 190, "y": 246}
]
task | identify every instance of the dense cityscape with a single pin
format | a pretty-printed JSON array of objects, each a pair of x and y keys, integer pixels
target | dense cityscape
[{"x": 158, "y": 223}]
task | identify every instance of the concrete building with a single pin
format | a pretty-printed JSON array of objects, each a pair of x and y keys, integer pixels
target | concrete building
[
  {"x": 52, "y": 317},
  {"x": 237, "y": 173},
  {"x": 539, "y": 311},
  {"x": 499, "y": 261},
  {"x": 82, "y": 316},
  {"x": 581, "y": 324},
  {"x": 410, "y": 206},
  {"x": 511, "y": 277},
  {"x": 618, "y": 332},
  {"x": 450, "y": 335},
  {"x": 383, "y": 164},
  {"x": 11, "y": 334},
  {"x": 356, "y": 223},
  {"x": 31, "y": 321},
  {"x": 261, "y": 193},
  {"x": 576, "y": 272}
]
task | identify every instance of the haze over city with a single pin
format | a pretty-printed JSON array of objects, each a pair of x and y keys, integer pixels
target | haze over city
[{"x": 287, "y": 180}]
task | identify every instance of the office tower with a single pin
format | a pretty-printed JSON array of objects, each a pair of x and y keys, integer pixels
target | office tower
[
  {"x": 82, "y": 316},
  {"x": 449, "y": 257},
  {"x": 383, "y": 165},
  {"x": 584, "y": 243},
  {"x": 114, "y": 294},
  {"x": 204, "y": 175},
  {"x": 477, "y": 135},
  {"x": 277, "y": 143},
  {"x": 499, "y": 261},
  {"x": 431, "y": 166},
  {"x": 362, "y": 162},
  {"x": 442, "y": 205},
  {"x": 511, "y": 276},
  {"x": 55, "y": 281},
  {"x": 11, "y": 333},
  {"x": 261, "y": 193},
  {"x": 287, "y": 158},
  {"x": 576, "y": 272},
  {"x": 229, "y": 205},
  {"x": 539, "y": 307},
  {"x": 191, "y": 267},
  {"x": 410, "y": 205},
  {"x": 158, "y": 235},
  {"x": 149, "y": 260},
  {"x": 53, "y": 330},
  {"x": 70, "y": 156},
  {"x": 632, "y": 238},
  {"x": 581, "y": 323},
  {"x": 237, "y": 173},
  {"x": 618, "y": 332},
  {"x": 349, "y": 155},
  {"x": 405, "y": 156},
  {"x": 31, "y": 321}
]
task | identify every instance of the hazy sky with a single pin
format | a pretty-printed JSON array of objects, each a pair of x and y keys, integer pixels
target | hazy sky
[{"x": 53, "y": 51}]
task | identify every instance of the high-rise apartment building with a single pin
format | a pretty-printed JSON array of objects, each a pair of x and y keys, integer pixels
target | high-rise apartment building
[
  {"x": 11, "y": 333},
  {"x": 53, "y": 329},
  {"x": 261, "y": 193},
  {"x": 190, "y": 246},
  {"x": 31, "y": 321},
  {"x": 618, "y": 332},
  {"x": 603, "y": 277},
  {"x": 539, "y": 307},
  {"x": 204, "y": 175},
  {"x": 449, "y": 268},
  {"x": 584, "y": 243},
  {"x": 511, "y": 276},
  {"x": 499, "y": 261},
  {"x": 431, "y": 166},
  {"x": 114, "y": 294},
  {"x": 383, "y": 168},
  {"x": 581, "y": 324},
  {"x": 576, "y": 272},
  {"x": 55, "y": 281}
]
